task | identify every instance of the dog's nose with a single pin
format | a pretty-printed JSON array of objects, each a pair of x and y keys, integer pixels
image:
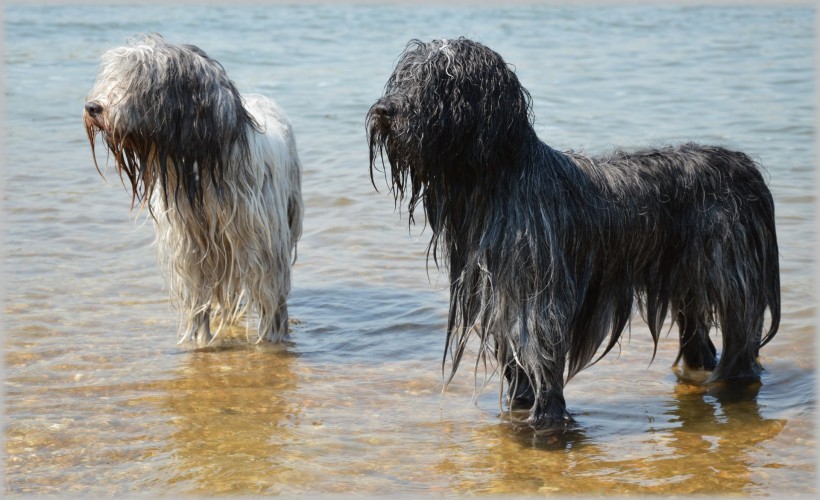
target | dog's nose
[
  {"x": 93, "y": 108},
  {"x": 384, "y": 109}
]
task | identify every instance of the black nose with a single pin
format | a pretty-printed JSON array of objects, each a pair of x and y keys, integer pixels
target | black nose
[
  {"x": 93, "y": 108},
  {"x": 384, "y": 109}
]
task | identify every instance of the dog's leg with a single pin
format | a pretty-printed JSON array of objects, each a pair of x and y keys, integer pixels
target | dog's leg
[
  {"x": 201, "y": 328},
  {"x": 696, "y": 348},
  {"x": 737, "y": 364},
  {"x": 280, "y": 319},
  {"x": 278, "y": 328},
  {"x": 550, "y": 408},
  {"x": 740, "y": 310},
  {"x": 741, "y": 342},
  {"x": 520, "y": 393}
]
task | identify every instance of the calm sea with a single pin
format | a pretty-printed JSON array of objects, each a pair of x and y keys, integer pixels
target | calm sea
[{"x": 99, "y": 399}]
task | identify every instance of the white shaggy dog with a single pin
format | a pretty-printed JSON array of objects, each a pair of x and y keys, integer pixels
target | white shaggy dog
[{"x": 219, "y": 173}]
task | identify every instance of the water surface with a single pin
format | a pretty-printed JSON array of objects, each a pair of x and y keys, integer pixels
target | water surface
[{"x": 99, "y": 398}]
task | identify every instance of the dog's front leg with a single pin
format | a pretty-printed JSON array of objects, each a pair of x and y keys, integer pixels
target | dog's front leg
[
  {"x": 550, "y": 409},
  {"x": 201, "y": 328},
  {"x": 520, "y": 393}
]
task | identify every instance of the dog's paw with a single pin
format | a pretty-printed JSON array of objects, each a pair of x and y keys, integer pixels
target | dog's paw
[{"x": 552, "y": 422}]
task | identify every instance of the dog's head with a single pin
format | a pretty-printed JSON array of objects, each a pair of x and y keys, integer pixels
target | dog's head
[
  {"x": 453, "y": 113},
  {"x": 169, "y": 115}
]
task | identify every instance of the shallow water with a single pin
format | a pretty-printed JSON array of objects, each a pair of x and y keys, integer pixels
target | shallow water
[{"x": 99, "y": 398}]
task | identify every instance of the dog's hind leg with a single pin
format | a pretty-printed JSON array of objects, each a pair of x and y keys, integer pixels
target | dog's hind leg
[
  {"x": 740, "y": 308},
  {"x": 280, "y": 319},
  {"x": 696, "y": 348},
  {"x": 741, "y": 343},
  {"x": 277, "y": 328}
]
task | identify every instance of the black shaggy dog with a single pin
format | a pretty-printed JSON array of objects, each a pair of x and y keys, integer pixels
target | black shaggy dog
[{"x": 550, "y": 251}]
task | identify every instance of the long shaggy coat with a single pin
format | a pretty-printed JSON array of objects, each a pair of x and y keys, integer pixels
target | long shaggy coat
[
  {"x": 219, "y": 173},
  {"x": 549, "y": 252}
]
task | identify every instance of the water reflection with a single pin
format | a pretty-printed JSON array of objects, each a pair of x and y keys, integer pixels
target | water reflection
[
  {"x": 547, "y": 439},
  {"x": 235, "y": 408},
  {"x": 700, "y": 439},
  {"x": 717, "y": 427}
]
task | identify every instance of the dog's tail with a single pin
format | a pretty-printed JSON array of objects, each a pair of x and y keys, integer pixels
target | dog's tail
[
  {"x": 762, "y": 234},
  {"x": 772, "y": 274}
]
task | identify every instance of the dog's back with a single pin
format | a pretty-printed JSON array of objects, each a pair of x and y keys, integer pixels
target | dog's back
[
  {"x": 279, "y": 145},
  {"x": 692, "y": 229}
]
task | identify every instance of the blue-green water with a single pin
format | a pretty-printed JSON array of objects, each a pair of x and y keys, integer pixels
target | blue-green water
[{"x": 100, "y": 399}]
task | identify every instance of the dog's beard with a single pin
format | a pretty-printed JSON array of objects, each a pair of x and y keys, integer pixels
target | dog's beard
[{"x": 390, "y": 145}]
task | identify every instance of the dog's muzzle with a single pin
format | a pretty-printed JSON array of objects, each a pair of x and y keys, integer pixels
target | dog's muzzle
[
  {"x": 382, "y": 113},
  {"x": 94, "y": 114},
  {"x": 93, "y": 108}
]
